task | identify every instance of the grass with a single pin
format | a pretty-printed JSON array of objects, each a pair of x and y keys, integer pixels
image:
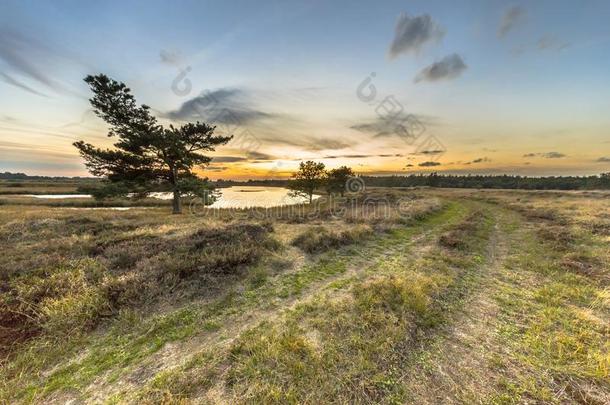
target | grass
[{"x": 448, "y": 296}]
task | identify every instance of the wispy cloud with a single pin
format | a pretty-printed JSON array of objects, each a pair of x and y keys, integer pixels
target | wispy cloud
[
  {"x": 412, "y": 33},
  {"x": 213, "y": 168},
  {"x": 428, "y": 152},
  {"x": 363, "y": 156},
  {"x": 547, "y": 155},
  {"x": 259, "y": 156},
  {"x": 429, "y": 164},
  {"x": 26, "y": 57},
  {"x": 12, "y": 81},
  {"x": 384, "y": 127},
  {"x": 228, "y": 159},
  {"x": 225, "y": 106},
  {"x": 551, "y": 43},
  {"x": 512, "y": 17},
  {"x": 449, "y": 67},
  {"x": 478, "y": 160}
]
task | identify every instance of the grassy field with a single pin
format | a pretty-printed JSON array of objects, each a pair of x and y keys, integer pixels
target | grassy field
[
  {"x": 401, "y": 296},
  {"x": 51, "y": 186}
]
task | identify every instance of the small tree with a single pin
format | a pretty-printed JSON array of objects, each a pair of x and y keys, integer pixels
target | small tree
[
  {"x": 337, "y": 179},
  {"x": 311, "y": 175},
  {"x": 147, "y": 157}
]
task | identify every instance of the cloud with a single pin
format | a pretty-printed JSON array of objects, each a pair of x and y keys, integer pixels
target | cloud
[
  {"x": 412, "y": 125},
  {"x": 481, "y": 160},
  {"x": 553, "y": 155},
  {"x": 428, "y": 152},
  {"x": 429, "y": 164},
  {"x": 412, "y": 33},
  {"x": 547, "y": 155},
  {"x": 228, "y": 159},
  {"x": 216, "y": 168},
  {"x": 317, "y": 144},
  {"x": 8, "y": 79},
  {"x": 229, "y": 106},
  {"x": 450, "y": 67},
  {"x": 511, "y": 18},
  {"x": 170, "y": 57},
  {"x": 258, "y": 156},
  {"x": 551, "y": 43},
  {"x": 362, "y": 156},
  {"x": 25, "y": 57},
  {"x": 603, "y": 159}
]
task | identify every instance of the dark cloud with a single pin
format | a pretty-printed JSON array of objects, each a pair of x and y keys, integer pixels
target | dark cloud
[
  {"x": 429, "y": 164},
  {"x": 550, "y": 43},
  {"x": 450, "y": 67},
  {"x": 412, "y": 33},
  {"x": 228, "y": 106},
  {"x": 603, "y": 159},
  {"x": 258, "y": 156},
  {"x": 412, "y": 125},
  {"x": 547, "y": 155},
  {"x": 362, "y": 156},
  {"x": 391, "y": 155},
  {"x": 170, "y": 57},
  {"x": 478, "y": 160},
  {"x": 511, "y": 17},
  {"x": 553, "y": 155},
  {"x": 251, "y": 156},
  {"x": 481, "y": 160},
  {"x": 26, "y": 57},
  {"x": 228, "y": 159},
  {"x": 428, "y": 152}
]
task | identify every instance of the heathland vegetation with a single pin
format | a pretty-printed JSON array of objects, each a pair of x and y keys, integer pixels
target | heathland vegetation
[{"x": 388, "y": 296}]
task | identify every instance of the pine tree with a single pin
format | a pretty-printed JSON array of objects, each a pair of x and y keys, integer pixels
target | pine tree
[
  {"x": 146, "y": 157},
  {"x": 311, "y": 175}
]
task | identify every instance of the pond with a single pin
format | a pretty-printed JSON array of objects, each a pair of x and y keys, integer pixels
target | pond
[
  {"x": 231, "y": 197},
  {"x": 256, "y": 196}
]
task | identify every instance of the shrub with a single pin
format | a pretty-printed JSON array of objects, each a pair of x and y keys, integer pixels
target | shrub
[
  {"x": 320, "y": 239},
  {"x": 457, "y": 237},
  {"x": 223, "y": 250}
]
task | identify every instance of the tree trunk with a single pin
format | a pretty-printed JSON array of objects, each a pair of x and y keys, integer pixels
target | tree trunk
[
  {"x": 177, "y": 204},
  {"x": 310, "y": 197}
]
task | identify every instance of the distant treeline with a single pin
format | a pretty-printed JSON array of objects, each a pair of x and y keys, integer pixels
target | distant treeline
[
  {"x": 487, "y": 181},
  {"x": 263, "y": 183},
  {"x": 23, "y": 176},
  {"x": 601, "y": 181}
]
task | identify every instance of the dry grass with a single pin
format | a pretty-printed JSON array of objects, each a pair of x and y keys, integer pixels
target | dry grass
[{"x": 141, "y": 306}]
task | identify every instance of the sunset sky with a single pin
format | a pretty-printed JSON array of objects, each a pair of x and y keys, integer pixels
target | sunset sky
[{"x": 386, "y": 87}]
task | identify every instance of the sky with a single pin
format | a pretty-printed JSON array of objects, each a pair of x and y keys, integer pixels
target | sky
[{"x": 385, "y": 87}]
